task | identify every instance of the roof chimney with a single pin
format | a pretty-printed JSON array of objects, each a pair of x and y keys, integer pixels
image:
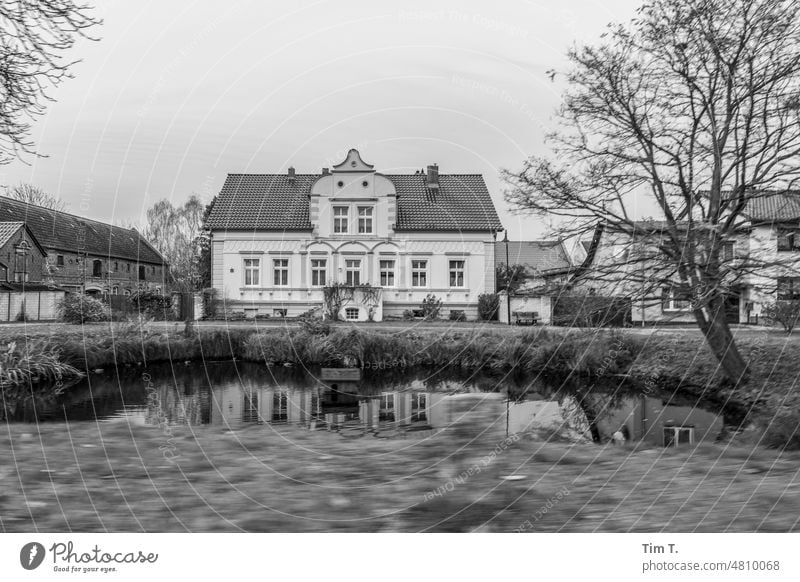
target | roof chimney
[
  {"x": 291, "y": 175},
  {"x": 433, "y": 176},
  {"x": 325, "y": 171}
]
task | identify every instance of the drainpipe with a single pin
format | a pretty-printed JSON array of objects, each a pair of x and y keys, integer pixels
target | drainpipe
[{"x": 508, "y": 281}]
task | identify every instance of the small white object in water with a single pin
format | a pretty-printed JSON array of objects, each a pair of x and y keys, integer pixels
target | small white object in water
[
  {"x": 98, "y": 370},
  {"x": 513, "y": 477}
]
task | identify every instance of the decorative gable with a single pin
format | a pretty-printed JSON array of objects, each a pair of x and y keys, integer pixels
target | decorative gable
[{"x": 353, "y": 163}]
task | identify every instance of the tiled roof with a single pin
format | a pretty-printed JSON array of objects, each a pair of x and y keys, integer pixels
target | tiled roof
[
  {"x": 462, "y": 203},
  {"x": 262, "y": 202},
  {"x": 7, "y": 230},
  {"x": 537, "y": 255},
  {"x": 272, "y": 202},
  {"x": 769, "y": 206},
  {"x": 62, "y": 231}
]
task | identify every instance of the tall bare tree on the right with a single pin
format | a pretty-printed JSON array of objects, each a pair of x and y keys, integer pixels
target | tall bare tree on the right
[{"x": 690, "y": 111}]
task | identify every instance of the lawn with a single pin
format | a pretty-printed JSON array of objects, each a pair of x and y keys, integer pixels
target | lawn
[{"x": 113, "y": 477}]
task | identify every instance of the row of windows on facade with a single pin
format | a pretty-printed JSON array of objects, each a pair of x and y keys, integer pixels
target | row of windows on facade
[
  {"x": 788, "y": 289},
  {"x": 97, "y": 267},
  {"x": 280, "y": 407},
  {"x": 352, "y": 269}
]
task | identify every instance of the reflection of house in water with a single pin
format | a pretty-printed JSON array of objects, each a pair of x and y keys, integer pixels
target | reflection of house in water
[
  {"x": 416, "y": 407},
  {"x": 658, "y": 422}
]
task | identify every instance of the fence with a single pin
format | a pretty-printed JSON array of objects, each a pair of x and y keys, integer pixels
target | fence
[{"x": 30, "y": 305}]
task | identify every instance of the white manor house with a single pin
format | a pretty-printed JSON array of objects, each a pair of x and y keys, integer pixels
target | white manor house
[{"x": 277, "y": 240}]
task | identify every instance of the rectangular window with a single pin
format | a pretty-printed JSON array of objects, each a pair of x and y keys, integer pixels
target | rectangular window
[
  {"x": 250, "y": 407},
  {"x": 341, "y": 216},
  {"x": 142, "y": 275},
  {"x": 788, "y": 238},
  {"x": 60, "y": 261},
  {"x": 727, "y": 251},
  {"x": 419, "y": 405},
  {"x": 252, "y": 270},
  {"x": 352, "y": 269},
  {"x": 456, "y": 273},
  {"x": 386, "y": 410},
  {"x": 129, "y": 267},
  {"x": 675, "y": 436},
  {"x": 280, "y": 268},
  {"x": 365, "y": 219},
  {"x": 280, "y": 407},
  {"x": 318, "y": 272},
  {"x": 351, "y": 314},
  {"x": 675, "y": 300},
  {"x": 419, "y": 273},
  {"x": 387, "y": 273},
  {"x": 788, "y": 288}
]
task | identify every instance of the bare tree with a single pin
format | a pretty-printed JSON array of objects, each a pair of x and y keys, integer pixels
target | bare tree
[
  {"x": 176, "y": 233},
  {"x": 691, "y": 110},
  {"x": 34, "y": 35},
  {"x": 35, "y": 195}
]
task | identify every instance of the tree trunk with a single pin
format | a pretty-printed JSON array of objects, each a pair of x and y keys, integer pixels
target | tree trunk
[
  {"x": 591, "y": 416},
  {"x": 717, "y": 332}
]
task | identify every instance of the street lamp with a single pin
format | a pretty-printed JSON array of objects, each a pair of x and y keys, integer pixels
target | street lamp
[{"x": 508, "y": 282}]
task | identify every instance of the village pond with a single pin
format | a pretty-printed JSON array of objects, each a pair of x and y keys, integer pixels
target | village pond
[{"x": 371, "y": 404}]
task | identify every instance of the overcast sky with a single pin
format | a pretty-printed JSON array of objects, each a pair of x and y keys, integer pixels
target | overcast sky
[{"x": 177, "y": 94}]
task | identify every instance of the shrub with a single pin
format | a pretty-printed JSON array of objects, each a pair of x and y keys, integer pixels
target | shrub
[
  {"x": 488, "y": 306},
  {"x": 313, "y": 324},
  {"x": 786, "y": 313},
  {"x": 781, "y": 431},
  {"x": 457, "y": 315},
  {"x": 153, "y": 305},
  {"x": 408, "y": 314},
  {"x": 431, "y": 306},
  {"x": 591, "y": 311},
  {"x": 79, "y": 308}
]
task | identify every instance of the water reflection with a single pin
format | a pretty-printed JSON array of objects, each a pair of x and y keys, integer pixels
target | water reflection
[{"x": 231, "y": 396}]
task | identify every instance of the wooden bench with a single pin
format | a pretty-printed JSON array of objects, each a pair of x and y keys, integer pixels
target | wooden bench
[{"x": 526, "y": 317}]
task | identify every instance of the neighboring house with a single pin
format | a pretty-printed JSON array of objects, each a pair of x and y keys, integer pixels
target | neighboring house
[
  {"x": 23, "y": 269},
  {"x": 278, "y": 239},
  {"x": 544, "y": 264},
  {"x": 770, "y": 239},
  {"x": 88, "y": 256},
  {"x": 660, "y": 422},
  {"x": 22, "y": 259},
  {"x": 544, "y": 268}
]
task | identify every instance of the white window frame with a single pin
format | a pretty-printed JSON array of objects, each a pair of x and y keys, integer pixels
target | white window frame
[
  {"x": 420, "y": 272},
  {"x": 252, "y": 267},
  {"x": 348, "y": 311},
  {"x": 462, "y": 270},
  {"x": 366, "y": 219},
  {"x": 420, "y": 411},
  {"x": 348, "y": 270},
  {"x": 281, "y": 266},
  {"x": 670, "y": 305},
  {"x": 387, "y": 271},
  {"x": 340, "y": 220},
  {"x": 318, "y": 269},
  {"x": 675, "y": 435}
]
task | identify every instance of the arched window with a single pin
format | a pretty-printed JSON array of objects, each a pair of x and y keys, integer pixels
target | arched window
[{"x": 115, "y": 290}]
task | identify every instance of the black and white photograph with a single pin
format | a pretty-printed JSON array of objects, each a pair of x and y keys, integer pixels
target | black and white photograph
[{"x": 377, "y": 268}]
